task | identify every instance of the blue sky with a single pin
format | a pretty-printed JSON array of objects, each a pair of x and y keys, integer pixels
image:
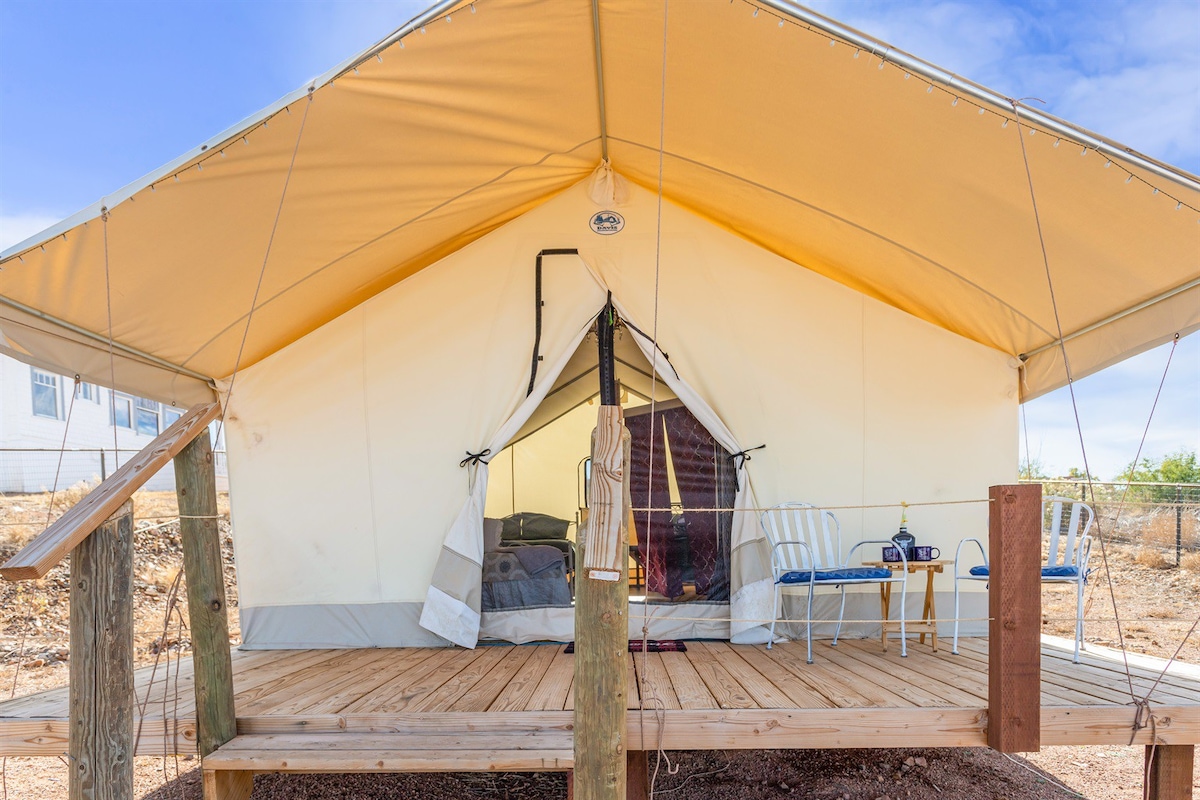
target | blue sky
[{"x": 95, "y": 94}]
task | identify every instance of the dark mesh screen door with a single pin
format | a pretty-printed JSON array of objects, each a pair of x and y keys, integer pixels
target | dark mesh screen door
[{"x": 691, "y": 544}]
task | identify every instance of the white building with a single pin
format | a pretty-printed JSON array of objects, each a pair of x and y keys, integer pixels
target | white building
[{"x": 42, "y": 412}]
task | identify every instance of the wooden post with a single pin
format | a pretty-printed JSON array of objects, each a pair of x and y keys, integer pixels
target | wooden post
[
  {"x": 1169, "y": 770},
  {"x": 1015, "y": 608},
  {"x": 196, "y": 488},
  {"x": 602, "y": 595},
  {"x": 637, "y": 781},
  {"x": 100, "y": 741}
]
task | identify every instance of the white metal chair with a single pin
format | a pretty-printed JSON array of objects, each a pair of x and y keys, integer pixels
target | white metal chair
[
  {"x": 1067, "y": 523},
  {"x": 806, "y": 551}
]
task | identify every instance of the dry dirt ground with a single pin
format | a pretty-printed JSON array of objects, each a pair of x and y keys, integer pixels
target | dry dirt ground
[{"x": 1157, "y": 602}]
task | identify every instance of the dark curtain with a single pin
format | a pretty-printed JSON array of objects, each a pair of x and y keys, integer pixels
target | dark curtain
[
  {"x": 654, "y": 529},
  {"x": 696, "y": 543}
]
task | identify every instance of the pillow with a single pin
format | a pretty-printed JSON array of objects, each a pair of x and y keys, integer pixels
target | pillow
[
  {"x": 492, "y": 528},
  {"x": 527, "y": 525}
]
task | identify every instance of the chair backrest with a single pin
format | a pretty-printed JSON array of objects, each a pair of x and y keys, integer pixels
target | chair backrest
[
  {"x": 802, "y": 522},
  {"x": 1067, "y": 522}
]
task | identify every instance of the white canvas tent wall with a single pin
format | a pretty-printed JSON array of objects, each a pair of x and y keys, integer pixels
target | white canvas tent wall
[
  {"x": 854, "y": 400},
  {"x": 895, "y": 180}
]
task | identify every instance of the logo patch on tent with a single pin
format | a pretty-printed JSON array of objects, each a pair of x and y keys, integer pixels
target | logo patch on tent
[{"x": 607, "y": 223}]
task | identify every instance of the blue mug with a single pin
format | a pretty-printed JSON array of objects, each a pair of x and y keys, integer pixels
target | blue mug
[
  {"x": 891, "y": 554},
  {"x": 924, "y": 552}
]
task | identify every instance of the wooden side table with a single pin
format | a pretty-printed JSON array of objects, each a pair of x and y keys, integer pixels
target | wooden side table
[{"x": 927, "y": 625}]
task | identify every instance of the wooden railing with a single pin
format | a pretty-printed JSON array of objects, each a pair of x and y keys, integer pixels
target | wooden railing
[{"x": 53, "y": 544}]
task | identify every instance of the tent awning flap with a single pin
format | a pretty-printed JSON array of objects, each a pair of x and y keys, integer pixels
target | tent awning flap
[{"x": 875, "y": 172}]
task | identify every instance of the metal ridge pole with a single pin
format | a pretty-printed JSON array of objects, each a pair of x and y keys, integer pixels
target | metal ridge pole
[{"x": 956, "y": 83}]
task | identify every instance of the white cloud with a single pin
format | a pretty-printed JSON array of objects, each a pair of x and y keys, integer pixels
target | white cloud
[{"x": 16, "y": 228}]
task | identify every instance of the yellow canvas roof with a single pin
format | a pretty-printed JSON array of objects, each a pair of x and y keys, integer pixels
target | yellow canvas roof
[{"x": 839, "y": 153}]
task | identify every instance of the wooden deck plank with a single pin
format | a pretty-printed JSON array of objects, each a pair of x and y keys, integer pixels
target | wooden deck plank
[
  {"x": 410, "y": 681},
  {"x": 367, "y": 678},
  {"x": 441, "y": 698},
  {"x": 843, "y": 691},
  {"x": 519, "y": 691},
  {"x": 311, "y": 677},
  {"x": 764, "y": 693},
  {"x": 903, "y": 677},
  {"x": 689, "y": 686},
  {"x": 725, "y": 689},
  {"x": 799, "y": 693},
  {"x": 1089, "y": 707},
  {"x": 551, "y": 692},
  {"x": 654, "y": 686},
  {"x": 489, "y": 687}
]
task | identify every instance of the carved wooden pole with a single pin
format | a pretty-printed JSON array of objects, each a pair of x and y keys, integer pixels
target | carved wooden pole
[
  {"x": 196, "y": 488},
  {"x": 1015, "y": 608},
  {"x": 602, "y": 599},
  {"x": 100, "y": 742}
]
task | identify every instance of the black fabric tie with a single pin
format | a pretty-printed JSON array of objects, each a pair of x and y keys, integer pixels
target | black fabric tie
[
  {"x": 475, "y": 458},
  {"x": 740, "y": 458}
]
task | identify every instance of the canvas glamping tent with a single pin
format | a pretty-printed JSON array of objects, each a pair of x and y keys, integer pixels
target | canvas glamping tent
[{"x": 834, "y": 241}]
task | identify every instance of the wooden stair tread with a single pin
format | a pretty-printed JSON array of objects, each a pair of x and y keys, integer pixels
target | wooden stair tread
[{"x": 461, "y": 751}]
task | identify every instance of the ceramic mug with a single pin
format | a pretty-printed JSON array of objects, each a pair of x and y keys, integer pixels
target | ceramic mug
[
  {"x": 924, "y": 552},
  {"x": 891, "y": 554}
]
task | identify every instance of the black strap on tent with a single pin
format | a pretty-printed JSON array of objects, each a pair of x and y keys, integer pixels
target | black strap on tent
[
  {"x": 476, "y": 458},
  {"x": 740, "y": 458},
  {"x": 650, "y": 339},
  {"x": 537, "y": 308}
]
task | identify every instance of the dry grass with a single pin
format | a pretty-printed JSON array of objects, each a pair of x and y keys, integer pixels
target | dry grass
[
  {"x": 1153, "y": 558},
  {"x": 1190, "y": 562}
]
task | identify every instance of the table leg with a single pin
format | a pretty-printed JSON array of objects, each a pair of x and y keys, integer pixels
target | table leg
[{"x": 885, "y": 604}]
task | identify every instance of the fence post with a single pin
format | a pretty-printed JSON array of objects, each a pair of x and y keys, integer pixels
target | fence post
[
  {"x": 100, "y": 739},
  {"x": 200, "y": 536},
  {"x": 103, "y": 465},
  {"x": 1178, "y": 523}
]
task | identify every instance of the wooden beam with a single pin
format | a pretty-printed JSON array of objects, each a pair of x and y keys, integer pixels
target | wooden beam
[
  {"x": 228, "y": 784},
  {"x": 602, "y": 630},
  {"x": 53, "y": 544},
  {"x": 637, "y": 775},
  {"x": 100, "y": 739},
  {"x": 1169, "y": 770},
  {"x": 1015, "y": 608},
  {"x": 196, "y": 489}
]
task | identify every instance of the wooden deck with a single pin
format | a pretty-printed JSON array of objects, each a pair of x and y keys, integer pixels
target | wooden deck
[{"x": 714, "y": 696}]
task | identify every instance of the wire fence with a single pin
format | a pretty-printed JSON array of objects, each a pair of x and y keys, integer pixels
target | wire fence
[{"x": 1152, "y": 516}]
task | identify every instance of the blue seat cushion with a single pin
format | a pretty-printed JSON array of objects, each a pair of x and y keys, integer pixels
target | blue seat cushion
[
  {"x": 837, "y": 575},
  {"x": 1047, "y": 572}
]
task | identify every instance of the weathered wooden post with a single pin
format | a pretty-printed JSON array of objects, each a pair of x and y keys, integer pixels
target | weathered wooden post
[
  {"x": 1169, "y": 770},
  {"x": 196, "y": 489},
  {"x": 602, "y": 598},
  {"x": 1015, "y": 609},
  {"x": 100, "y": 741}
]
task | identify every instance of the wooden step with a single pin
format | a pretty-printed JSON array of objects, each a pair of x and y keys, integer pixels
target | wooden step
[{"x": 389, "y": 752}]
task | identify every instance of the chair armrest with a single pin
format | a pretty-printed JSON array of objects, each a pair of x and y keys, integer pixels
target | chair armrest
[
  {"x": 958, "y": 553},
  {"x": 1085, "y": 554},
  {"x": 787, "y": 543}
]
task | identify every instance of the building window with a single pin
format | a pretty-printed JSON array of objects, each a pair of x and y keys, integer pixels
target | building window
[
  {"x": 87, "y": 391},
  {"x": 147, "y": 416},
  {"x": 45, "y": 394},
  {"x": 170, "y": 415},
  {"x": 122, "y": 410}
]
